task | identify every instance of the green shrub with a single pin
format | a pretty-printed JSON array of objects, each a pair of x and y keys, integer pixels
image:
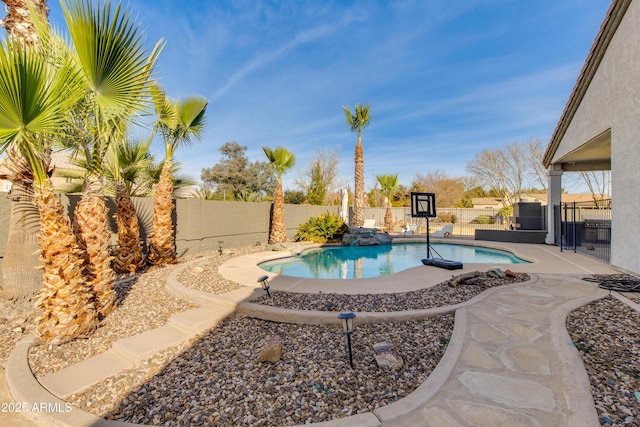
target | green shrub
[
  {"x": 447, "y": 217},
  {"x": 485, "y": 219},
  {"x": 322, "y": 229}
]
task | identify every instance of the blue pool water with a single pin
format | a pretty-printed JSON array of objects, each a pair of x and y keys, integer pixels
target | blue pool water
[{"x": 359, "y": 262}]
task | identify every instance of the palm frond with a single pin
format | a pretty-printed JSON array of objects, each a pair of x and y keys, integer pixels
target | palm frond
[
  {"x": 34, "y": 99},
  {"x": 280, "y": 158}
]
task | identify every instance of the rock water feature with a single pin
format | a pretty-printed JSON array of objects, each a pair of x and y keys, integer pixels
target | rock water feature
[{"x": 360, "y": 236}]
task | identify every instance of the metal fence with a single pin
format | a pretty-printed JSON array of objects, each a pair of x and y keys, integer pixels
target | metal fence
[
  {"x": 584, "y": 227},
  {"x": 465, "y": 221}
]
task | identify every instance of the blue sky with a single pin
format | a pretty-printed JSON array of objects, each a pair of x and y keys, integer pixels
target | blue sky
[{"x": 445, "y": 79}]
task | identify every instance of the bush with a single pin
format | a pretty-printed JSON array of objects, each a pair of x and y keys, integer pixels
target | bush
[
  {"x": 447, "y": 217},
  {"x": 322, "y": 229},
  {"x": 485, "y": 219}
]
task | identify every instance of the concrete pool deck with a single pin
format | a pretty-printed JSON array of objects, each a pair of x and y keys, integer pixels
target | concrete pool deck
[{"x": 510, "y": 360}]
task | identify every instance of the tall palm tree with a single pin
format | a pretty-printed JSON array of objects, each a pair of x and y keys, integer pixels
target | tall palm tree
[
  {"x": 126, "y": 165},
  {"x": 35, "y": 97},
  {"x": 282, "y": 160},
  {"x": 179, "y": 122},
  {"x": 389, "y": 185},
  {"x": 116, "y": 71},
  {"x": 20, "y": 278},
  {"x": 19, "y": 23},
  {"x": 356, "y": 123}
]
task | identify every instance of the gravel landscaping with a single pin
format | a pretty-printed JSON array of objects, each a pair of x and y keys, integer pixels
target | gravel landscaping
[
  {"x": 216, "y": 378},
  {"x": 607, "y": 334},
  {"x": 436, "y": 296},
  {"x": 219, "y": 381}
]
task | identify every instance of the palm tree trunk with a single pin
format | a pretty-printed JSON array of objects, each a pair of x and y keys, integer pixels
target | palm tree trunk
[
  {"x": 162, "y": 247},
  {"x": 93, "y": 236},
  {"x": 19, "y": 23},
  {"x": 358, "y": 200},
  {"x": 20, "y": 276},
  {"x": 388, "y": 218},
  {"x": 128, "y": 256},
  {"x": 66, "y": 299},
  {"x": 278, "y": 233}
]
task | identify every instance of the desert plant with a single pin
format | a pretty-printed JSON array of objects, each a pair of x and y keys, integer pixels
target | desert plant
[
  {"x": 322, "y": 229},
  {"x": 447, "y": 217}
]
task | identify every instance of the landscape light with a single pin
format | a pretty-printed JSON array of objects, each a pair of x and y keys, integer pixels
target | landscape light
[
  {"x": 264, "y": 281},
  {"x": 220, "y": 242},
  {"x": 347, "y": 329}
]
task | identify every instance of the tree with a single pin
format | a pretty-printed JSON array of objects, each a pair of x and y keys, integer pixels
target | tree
[
  {"x": 449, "y": 191},
  {"x": 234, "y": 174},
  {"x": 356, "y": 123},
  {"x": 469, "y": 195},
  {"x": 128, "y": 165},
  {"x": 35, "y": 100},
  {"x": 599, "y": 184},
  {"x": 20, "y": 278},
  {"x": 389, "y": 185},
  {"x": 317, "y": 187},
  {"x": 504, "y": 170},
  {"x": 535, "y": 151},
  {"x": 19, "y": 23},
  {"x": 319, "y": 179},
  {"x": 296, "y": 197},
  {"x": 115, "y": 69},
  {"x": 179, "y": 123},
  {"x": 282, "y": 160}
]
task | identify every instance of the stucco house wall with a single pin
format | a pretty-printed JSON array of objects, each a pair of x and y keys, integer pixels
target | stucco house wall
[{"x": 612, "y": 103}]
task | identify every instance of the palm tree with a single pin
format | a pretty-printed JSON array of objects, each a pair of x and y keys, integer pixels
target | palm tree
[
  {"x": 35, "y": 97},
  {"x": 19, "y": 23},
  {"x": 179, "y": 122},
  {"x": 20, "y": 278},
  {"x": 389, "y": 184},
  {"x": 356, "y": 123},
  {"x": 116, "y": 73},
  {"x": 282, "y": 160},
  {"x": 127, "y": 163}
]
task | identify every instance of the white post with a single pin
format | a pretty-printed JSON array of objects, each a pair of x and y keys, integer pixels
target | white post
[{"x": 554, "y": 198}]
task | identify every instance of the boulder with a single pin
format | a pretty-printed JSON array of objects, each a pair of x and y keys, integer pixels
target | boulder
[
  {"x": 387, "y": 356},
  {"x": 495, "y": 272},
  {"x": 510, "y": 274},
  {"x": 272, "y": 350},
  {"x": 358, "y": 236}
]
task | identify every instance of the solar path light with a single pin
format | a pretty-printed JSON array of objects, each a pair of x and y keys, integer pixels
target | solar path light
[
  {"x": 347, "y": 328},
  {"x": 264, "y": 281}
]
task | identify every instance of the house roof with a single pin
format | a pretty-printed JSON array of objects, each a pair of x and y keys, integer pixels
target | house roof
[
  {"x": 566, "y": 198},
  {"x": 607, "y": 30},
  {"x": 487, "y": 201}
]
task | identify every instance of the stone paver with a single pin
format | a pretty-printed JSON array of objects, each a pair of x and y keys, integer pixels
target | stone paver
[{"x": 511, "y": 370}]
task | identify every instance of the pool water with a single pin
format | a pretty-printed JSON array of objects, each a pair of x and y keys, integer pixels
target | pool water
[{"x": 359, "y": 262}]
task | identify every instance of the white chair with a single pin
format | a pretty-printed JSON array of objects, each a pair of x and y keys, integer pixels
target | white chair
[
  {"x": 369, "y": 223},
  {"x": 410, "y": 229},
  {"x": 446, "y": 231}
]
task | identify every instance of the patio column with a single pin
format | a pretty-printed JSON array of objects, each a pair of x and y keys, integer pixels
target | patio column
[{"x": 554, "y": 198}]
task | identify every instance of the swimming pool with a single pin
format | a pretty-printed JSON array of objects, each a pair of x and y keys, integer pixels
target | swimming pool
[{"x": 360, "y": 262}]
